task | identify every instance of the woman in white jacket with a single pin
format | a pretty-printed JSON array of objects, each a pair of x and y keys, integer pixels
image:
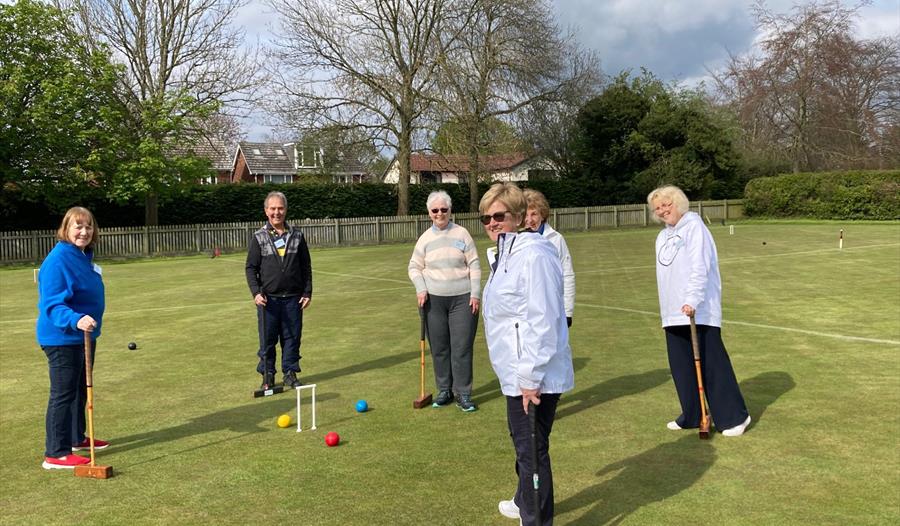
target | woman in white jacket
[
  {"x": 527, "y": 339},
  {"x": 536, "y": 219},
  {"x": 687, "y": 276}
]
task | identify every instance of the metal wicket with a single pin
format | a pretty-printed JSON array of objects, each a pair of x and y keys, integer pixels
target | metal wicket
[{"x": 299, "y": 415}]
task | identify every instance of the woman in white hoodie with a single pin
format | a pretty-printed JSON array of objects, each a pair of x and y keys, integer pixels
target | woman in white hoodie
[
  {"x": 687, "y": 277},
  {"x": 536, "y": 219},
  {"x": 527, "y": 339}
]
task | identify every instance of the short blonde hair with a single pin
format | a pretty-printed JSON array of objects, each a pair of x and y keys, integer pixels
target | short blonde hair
[
  {"x": 74, "y": 214},
  {"x": 671, "y": 193},
  {"x": 510, "y": 195},
  {"x": 537, "y": 201}
]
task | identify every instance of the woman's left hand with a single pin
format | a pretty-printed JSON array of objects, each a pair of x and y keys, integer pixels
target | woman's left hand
[{"x": 474, "y": 303}]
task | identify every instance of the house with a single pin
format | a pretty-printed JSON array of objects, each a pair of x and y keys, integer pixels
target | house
[
  {"x": 211, "y": 148},
  {"x": 436, "y": 168},
  {"x": 258, "y": 162}
]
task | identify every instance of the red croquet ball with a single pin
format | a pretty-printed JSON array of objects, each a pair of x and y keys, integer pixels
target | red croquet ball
[{"x": 332, "y": 439}]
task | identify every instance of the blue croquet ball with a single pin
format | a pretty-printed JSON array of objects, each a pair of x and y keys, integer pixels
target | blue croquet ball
[{"x": 362, "y": 406}]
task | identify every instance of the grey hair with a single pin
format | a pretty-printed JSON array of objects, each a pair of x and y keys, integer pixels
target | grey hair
[
  {"x": 279, "y": 195},
  {"x": 438, "y": 194},
  {"x": 672, "y": 193}
]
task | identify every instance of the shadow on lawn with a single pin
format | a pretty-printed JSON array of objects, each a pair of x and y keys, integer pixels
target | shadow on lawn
[
  {"x": 611, "y": 389},
  {"x": 248, "y": 418},
  {"x": 666, "y": 469}
]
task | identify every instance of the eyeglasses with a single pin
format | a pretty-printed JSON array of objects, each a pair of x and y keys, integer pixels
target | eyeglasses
[
  {"x": 441, "y": 210},
  {"x": 496, "y": 216}
]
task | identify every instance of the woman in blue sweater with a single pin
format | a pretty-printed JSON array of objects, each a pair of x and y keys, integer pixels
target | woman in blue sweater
[{"x": 70, "y": 302}]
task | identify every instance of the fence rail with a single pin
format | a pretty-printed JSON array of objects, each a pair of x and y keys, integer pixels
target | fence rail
[{"x": 125, "y": 242}]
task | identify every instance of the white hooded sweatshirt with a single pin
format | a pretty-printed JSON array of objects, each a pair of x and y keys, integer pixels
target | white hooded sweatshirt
[
  {"x": 687, "y": 273},
  {"x": 524, "y": 317}
]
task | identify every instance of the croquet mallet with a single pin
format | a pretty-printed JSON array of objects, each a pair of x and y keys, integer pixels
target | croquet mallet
[
  {"x": 535, "y": 476},
  {"x": 423, "y": 399},
  {"x": 91, "y": 470},
  {"x": 704, "y": 414}
]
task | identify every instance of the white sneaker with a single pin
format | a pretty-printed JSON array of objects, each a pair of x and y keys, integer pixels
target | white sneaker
[
  {"x": 509, "y": 509},
  {"x": 737, "y": 430},
  {"x": 673, "y": 426}
]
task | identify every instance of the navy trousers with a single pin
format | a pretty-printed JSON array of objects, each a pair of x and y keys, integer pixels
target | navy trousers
[
  {"x": 520, "y": 431},
  {"x": 65, "y": 422},
  {"x": 283, "y": 323},
  {"x": 726, "y": 404}
]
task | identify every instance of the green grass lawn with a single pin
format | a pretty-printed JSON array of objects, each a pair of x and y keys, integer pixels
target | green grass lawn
[{"x": 813, "y": 332}]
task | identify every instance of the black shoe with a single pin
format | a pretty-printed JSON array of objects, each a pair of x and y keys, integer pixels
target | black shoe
[
  {"x": 268, "y": 381},
  {"x": 443, "y": 398},
  {"x": 291, "y": 381},
  {"x": 464, "y": 402}
]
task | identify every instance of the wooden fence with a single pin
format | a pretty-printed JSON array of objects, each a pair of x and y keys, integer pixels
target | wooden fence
[{"x": 33, "y": 246}]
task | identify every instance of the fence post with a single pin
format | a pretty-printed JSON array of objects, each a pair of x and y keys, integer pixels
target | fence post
[
  {"x": 337, "y": 231},
  {"x": 197, "y": 237},
  {"x": 615, "y": 217},
  {"x": 145, "y": 241},
  {"x": 587, "y": 219},
  {"x": 377, "y": 230},
  {"x": 555, "y": 220},
  {"x": 726, "y": 208},
  {"x": 700, "y": 209},
  {"x": 646, "y": 213}
]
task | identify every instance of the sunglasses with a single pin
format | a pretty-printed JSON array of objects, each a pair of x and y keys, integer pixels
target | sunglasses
[
  {"x": 497, "y": 216},
  {"x": 441, "y": 210}
]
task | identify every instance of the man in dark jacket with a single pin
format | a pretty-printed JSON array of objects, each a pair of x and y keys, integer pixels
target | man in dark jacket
[{"x": 279, "y": 274}]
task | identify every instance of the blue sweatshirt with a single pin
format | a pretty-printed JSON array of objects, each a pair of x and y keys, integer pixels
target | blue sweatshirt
[{"x": 69, "y": 286}]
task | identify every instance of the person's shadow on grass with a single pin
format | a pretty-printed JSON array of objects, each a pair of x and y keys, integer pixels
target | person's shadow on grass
[
  {"x": 667, "y": 469},
  {"x": 629, "y": 384}
]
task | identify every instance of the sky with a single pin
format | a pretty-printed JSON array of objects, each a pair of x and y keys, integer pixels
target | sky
[{"x": 677, "y": 40}]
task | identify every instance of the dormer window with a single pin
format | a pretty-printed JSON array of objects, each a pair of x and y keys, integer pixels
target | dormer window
[
  {"x": 279, "y": 152},
  {"x": 256, "y": 151}
]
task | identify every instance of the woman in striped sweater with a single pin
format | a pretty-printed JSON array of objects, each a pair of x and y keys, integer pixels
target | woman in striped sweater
[{"x": 445, "y": 270}]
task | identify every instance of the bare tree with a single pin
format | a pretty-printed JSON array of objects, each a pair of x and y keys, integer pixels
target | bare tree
[
  {"x": 185, "y": 64},
  {"x": 364, "y": 64},
  {"x": 510, "y": 56},
  {"x": 823, "y": 98}
]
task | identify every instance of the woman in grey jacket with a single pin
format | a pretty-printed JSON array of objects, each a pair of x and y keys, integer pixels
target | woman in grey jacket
[
  {"x": 527, "y": 339},
  {"x": 687, "y": 276}
]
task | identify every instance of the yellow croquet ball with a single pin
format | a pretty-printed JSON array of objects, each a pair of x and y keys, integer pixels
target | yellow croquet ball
[{"x": 284, "y": 420}]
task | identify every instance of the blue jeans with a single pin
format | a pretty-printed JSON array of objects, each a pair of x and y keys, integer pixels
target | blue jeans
[
  {"x": 520, "y": 431},
  {"x": 280, "y": 320},
  {"x": 65, "y": 422}
]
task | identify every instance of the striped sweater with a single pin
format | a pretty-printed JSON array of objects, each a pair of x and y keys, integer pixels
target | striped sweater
[{"x": 445, "y": 263}]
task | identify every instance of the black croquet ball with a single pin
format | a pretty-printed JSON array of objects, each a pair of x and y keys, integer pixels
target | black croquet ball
[
  {"x": 132, "y": 346},
  {"x": 764, "y": 242}
]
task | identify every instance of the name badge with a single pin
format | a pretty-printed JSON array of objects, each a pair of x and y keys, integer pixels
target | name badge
[
  {"x": 279, "y": 243},
  {"x": 97, "y": 269},
  {"x": 460, "y": 245}
]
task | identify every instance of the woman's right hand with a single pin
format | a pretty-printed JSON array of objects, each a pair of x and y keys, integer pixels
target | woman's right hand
[
  {"x": 422, "y": 297},
  {"x": 86, "y": 323}
]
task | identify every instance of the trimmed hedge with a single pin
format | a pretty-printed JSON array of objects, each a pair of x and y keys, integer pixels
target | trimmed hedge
[{"x": 826, "y": 195}]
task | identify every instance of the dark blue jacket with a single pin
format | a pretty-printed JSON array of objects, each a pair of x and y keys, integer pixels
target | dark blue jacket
[{"x": 68, "y": 288}]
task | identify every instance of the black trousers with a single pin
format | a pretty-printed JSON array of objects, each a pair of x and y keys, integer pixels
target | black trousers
[
  {"x": 726, "y": 404},
  {"x": 283, "y": 323},
  {"x": 520, "y": 431}
]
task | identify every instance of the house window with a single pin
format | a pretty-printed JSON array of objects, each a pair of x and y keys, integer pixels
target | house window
[
  {"x": 279, "y": 152},
  {"x": 310, "y": 157},
  {"x": 256, "y": 151},
  {"x": 278, "y": 179}
]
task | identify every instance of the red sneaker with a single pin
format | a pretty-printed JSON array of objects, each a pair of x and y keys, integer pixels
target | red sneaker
[
  {"x": 66, "y": 462},
  {"x": 86, "y": 444}
]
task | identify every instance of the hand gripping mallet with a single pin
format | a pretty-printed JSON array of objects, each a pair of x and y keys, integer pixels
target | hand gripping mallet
[
  {"x": 423, "y": 399},
  {"x": 535, "y": 477},
  {"x": 91, "y": 470},
  {"x": 704, "y": 415}
]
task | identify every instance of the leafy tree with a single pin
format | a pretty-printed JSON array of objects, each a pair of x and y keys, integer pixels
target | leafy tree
[
  {"x": 495, "y": 137},
  {"x": 639, "y": 134},
  {"x": 58, "y": 111}
]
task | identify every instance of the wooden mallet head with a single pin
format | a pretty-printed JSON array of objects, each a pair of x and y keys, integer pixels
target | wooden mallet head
[{"x": 94, "y": 472}]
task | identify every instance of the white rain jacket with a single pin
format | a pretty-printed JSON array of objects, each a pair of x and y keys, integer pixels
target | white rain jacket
[
  {"x": 565, "y": 259},
  {"x": 524, "y": 317},
  {"x": 568, "y": 272},
  {"x": 687, "y": 273}
]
